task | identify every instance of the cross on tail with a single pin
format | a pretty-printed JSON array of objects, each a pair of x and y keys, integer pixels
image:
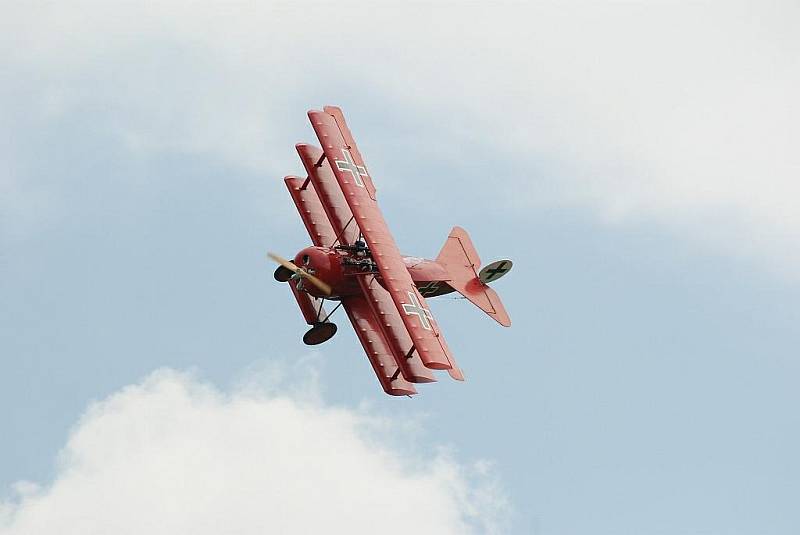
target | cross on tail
[{"x": 496, "y": 272}]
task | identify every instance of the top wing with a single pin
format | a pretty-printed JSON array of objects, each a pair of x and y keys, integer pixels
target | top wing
[
  {"x": 359, "y": 192},
  {"x": 338, "y": 117}
]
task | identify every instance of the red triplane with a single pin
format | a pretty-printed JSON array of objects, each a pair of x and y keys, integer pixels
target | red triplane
[{"x": 354, "y": 260}]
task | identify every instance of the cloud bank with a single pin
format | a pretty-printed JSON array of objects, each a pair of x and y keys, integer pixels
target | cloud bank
[
  {"x": 174, "y": 455},
  {"x": 668, "y": 112}
]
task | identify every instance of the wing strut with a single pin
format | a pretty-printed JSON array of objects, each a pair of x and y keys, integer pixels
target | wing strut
[{"x": 338, "y": 236}]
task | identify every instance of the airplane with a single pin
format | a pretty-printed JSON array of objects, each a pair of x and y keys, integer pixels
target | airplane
[{"x": 355, "y": 261}]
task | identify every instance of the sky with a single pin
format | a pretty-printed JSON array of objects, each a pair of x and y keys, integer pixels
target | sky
[{"x": 636, "y": 160}]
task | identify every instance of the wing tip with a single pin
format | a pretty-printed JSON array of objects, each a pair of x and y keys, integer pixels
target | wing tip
[
  {"x": 400, "y": 391},
  {"x": 314, "y": 113},
  {"x": 456, "y": 373},
  {"x": 502, "y": 319},
  {"x": 332, "y": 110}
]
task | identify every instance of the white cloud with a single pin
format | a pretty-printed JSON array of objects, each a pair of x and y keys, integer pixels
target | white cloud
[
  {"x": 680, "y": 113},
  {"x": 174, "y": 455}
]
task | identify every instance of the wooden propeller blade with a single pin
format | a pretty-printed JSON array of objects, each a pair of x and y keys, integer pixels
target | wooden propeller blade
[
  {"x": 319, "y": 283},
  {"x": 282, "y": 261}
]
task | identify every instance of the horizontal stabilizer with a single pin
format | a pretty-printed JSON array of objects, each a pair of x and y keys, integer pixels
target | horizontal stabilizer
[{"x": 461, "y": 260}]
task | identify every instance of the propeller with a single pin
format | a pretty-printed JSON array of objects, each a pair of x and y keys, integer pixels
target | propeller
[{"x": 321, "y": 285}]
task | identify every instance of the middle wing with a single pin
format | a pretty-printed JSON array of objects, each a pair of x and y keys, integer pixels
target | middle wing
[
  {"x": 329, "y": 193},
  {"x": 351, "y": 174}
]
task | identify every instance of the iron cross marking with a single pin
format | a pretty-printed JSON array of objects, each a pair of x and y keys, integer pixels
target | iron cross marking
[
  {"x": 349, "y": 165},
  {"x": 496, "y": 272},
  {"x": 416, "y": 309}
]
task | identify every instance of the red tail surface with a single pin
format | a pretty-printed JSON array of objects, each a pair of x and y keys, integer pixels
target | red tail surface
[{"x": 462, "y": 262}]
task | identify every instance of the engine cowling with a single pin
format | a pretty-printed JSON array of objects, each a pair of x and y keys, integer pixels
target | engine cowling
[{"x": 326, "y": 264}]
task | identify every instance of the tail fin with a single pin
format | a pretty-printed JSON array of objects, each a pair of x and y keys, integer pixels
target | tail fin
[{"x": 461, "y": 260}]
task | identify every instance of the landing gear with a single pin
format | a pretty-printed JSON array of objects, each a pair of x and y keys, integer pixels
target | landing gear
[
  {"x": 283, "y": 274},
  {"x": 320, "y": 332},
  {"x": 310, "y": 303}
]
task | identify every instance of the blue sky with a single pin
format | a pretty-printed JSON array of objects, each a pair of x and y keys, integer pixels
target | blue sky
[{"x": 637, "y": 162}]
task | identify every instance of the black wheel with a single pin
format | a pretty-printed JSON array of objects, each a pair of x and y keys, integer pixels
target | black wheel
[
  {"x": 320, "y": 332},
  {"x": 283, "y": 274}
]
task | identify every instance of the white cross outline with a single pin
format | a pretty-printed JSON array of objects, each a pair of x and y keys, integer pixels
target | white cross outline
[
  {"x": 349, "y": 165},
  {"x": 416, "y": 309}
]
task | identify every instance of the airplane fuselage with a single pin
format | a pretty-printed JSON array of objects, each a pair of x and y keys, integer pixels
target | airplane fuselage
[{"x": 341, "y": 266}]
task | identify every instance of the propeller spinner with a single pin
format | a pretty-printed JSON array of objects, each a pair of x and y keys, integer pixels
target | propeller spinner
[{"x": 321, "y": 285}]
